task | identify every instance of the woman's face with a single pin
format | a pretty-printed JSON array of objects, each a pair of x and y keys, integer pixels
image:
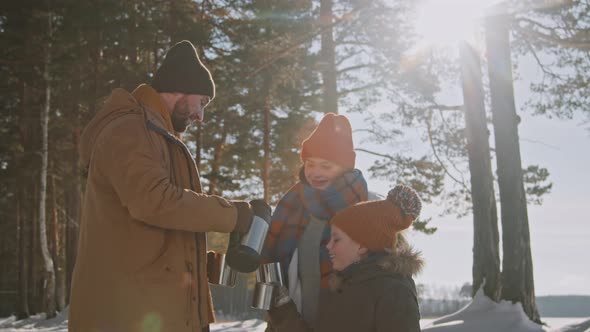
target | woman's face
[
  {"x": 321, "y": 173},
  {"x": 343, "y": 250}
]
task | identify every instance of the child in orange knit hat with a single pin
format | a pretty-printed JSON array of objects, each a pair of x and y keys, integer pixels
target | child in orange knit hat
[
  {"x": 372, "y": 287},
  {"x": 300, "y": 230}
]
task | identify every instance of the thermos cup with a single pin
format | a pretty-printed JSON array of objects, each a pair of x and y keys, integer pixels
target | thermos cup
[
  {"x": 263, "y": 295},
  {"x": 269, "y": 277},
  {"x": 220, "y": 273},
  {"x": 245, "y": 256},
  {"x": 270, "y": 273}
]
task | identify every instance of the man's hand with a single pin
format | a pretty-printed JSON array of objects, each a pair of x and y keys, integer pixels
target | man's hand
[{"x": 245, "y": 216}]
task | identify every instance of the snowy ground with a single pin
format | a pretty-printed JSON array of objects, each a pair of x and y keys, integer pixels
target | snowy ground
[
  {"x": 484, "y": 315},
  {"x": 481, "y": 315},
  {"x": 37, "y": 324}
]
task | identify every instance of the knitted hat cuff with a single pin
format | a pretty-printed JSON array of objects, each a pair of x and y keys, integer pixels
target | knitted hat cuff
[{"x": 338, "y": 155}]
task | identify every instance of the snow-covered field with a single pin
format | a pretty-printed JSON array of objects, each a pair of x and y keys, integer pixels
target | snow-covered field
[
  {"x": 37, "y": 324},
  {"x": 485, "y": 315},
  {"x": 481, "y": 315}
]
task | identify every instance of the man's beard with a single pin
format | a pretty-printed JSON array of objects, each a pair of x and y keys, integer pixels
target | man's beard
[{"x": 180, "y": 118}]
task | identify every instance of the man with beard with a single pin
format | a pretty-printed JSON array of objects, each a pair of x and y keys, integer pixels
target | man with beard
[{"x": 141, "y": 262}]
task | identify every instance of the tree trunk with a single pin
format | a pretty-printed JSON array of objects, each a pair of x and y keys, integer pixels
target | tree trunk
[
  {"x": 486, "y": 257},
  {"x": 34, "y": 250},
  {"x": 58, "y": 253},
  {"x": 173, "y": 21},
  {"x": 96, "y": 49},
  {"x": 216, "y": 162},
  {"x": 517, "y": 268},
  {"x": 198, "y": 134},
  {"x": 328, "y": 58},
  {"x": 48, "y": 272},
  {"x": 73, "y": 200},
  {"x": 199, "y": 144},
  {"x": 73, "y": 190},
  {"x": 23, "y": 309},
  {"x": 266, "y": 148},
  {"x": 23, "y": 289}
]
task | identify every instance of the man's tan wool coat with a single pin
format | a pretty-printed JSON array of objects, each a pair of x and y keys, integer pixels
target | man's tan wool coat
[{"x": 141, "y": 263}]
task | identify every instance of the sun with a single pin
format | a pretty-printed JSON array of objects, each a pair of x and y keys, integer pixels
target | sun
[{"x": 447, "y": 22}]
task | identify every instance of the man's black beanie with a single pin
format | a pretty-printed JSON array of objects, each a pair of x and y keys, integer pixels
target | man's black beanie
[{"x": 182, "y": 71}]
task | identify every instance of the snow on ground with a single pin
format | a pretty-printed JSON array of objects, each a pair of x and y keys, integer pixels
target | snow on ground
[
  {"x": 582, "y": 326},
  {"x": 485, "y": 315},
  {"x": 481, "y": 315}
]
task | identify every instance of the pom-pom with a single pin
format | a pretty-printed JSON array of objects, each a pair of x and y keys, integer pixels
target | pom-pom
[{"x": 406, "y": 199}]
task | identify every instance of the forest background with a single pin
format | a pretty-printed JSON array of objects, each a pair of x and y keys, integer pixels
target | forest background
[{"x": 278, "y": 66}]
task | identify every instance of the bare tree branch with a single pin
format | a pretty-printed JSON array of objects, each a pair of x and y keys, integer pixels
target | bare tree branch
[
  {"x": 375, "y": 153},
  {"x": 346, "y": 57},
  {"x": 360, "y": 88},
  {"x": 355, "y": 68},
  {"x": 441, "y": 107},
  {"x": 432, "y": 146},
  {"x": 565, "y": 42},
  {"x": 539, "y": 62}
]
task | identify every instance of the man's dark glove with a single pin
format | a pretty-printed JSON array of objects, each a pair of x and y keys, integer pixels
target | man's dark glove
[{"x": 245, "y": 216}]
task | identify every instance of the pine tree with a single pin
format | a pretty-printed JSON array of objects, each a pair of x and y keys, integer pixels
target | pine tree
[{"x": 517, "y": 266}]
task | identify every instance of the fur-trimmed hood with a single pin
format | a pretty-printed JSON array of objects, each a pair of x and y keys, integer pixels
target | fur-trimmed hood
[{"x": 405, "y": 262}]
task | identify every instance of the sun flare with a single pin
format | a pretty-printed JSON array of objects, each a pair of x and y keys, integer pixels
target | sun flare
[{"x": 446, "y": 22}]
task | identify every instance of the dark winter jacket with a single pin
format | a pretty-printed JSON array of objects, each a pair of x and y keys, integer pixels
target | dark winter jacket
[{"x": 377, "y": 294}]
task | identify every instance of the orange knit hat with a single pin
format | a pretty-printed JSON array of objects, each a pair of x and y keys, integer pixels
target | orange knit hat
[
  {"x": 375, "y": 224},
  {"x": 331, "y": 140}
]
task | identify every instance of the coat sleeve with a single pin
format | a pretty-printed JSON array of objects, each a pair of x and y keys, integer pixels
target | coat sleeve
[
  {"x": 397, "y": 310},
  {"x": 132, "y": 165},
  {"x": 286, "y": 318}
]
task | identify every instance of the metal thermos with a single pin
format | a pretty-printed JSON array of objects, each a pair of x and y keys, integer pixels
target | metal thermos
[{"x": 245, "y": 256}]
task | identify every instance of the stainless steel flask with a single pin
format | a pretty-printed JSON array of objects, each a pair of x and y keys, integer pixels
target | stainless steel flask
[{"x": 245, "y": 256}]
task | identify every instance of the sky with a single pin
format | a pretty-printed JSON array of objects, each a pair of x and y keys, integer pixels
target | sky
[{"x": 559, "y": 228}]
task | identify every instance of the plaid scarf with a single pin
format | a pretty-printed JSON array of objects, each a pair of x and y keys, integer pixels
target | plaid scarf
[{"x": 293, "y": 213}]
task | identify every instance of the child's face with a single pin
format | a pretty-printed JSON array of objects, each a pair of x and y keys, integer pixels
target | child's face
[
  {"x": 343, "y": 250},
  {"x": 321, "y": 173}
]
